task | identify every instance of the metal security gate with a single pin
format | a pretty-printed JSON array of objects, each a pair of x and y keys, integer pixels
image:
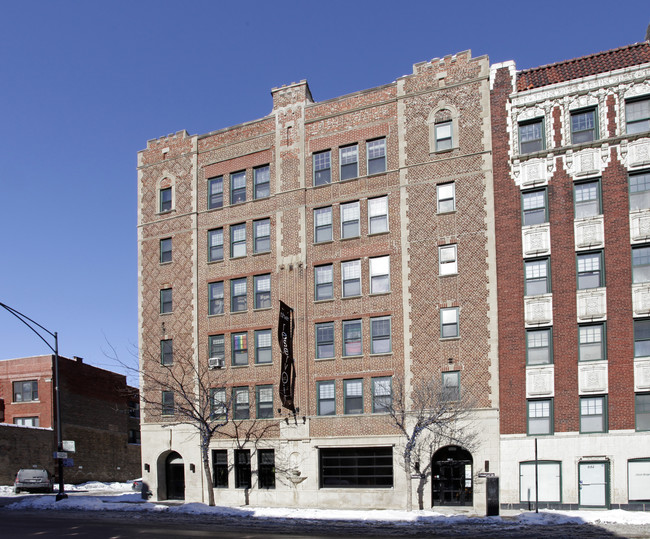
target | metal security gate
[{"x": 593, "y": 479}]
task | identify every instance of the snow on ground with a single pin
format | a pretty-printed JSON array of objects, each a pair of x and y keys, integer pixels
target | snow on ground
[{"x": 120, "y": 497}]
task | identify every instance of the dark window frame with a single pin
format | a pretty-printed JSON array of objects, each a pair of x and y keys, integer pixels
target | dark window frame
[{"x": 356, "y": 467}]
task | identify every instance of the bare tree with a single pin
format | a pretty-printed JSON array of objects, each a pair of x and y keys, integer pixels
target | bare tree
[{"x": 429, "y": 417}]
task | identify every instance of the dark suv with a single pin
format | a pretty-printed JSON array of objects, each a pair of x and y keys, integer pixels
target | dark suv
[{"x": 33, "y": 479}]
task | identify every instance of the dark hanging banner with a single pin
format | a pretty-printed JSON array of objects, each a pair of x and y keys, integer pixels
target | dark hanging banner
[{"x": 288, "y": 372}]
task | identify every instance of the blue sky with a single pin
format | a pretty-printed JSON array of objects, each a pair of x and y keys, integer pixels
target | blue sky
[{"x": 84, "y": 85}]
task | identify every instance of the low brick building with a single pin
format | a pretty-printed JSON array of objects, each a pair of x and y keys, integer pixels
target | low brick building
[{"x": 99, "y": 412}]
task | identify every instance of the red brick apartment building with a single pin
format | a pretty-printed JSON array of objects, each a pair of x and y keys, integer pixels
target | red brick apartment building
[
  {"x": 571, "y": 147},
  {"x": 99, "y": 412},
  {"x": 371, "y": 215}
]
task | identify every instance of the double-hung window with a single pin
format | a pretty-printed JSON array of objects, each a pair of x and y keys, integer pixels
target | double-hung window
[
  {"x": 351, "y": 276},
  {"x": 534, "y": 207},
  {"x": 220, "y": 468},
  {"x": 266, "y": 466},
  {"x": 353, "y": 396},
  {"x": 326, "y": 397},
  {"x": 539, "y": 346},
  {"x": 165, "y": 250},
  {"x": 537, "y": 277},
  {"x": 33, "y": 422},
  {"x": 382, "y": 394},
  {"x": 263, "y": 350},
  {"x": 451, "y": 386},
  {"x": 350, "y": 217},
  {"x": 584, "y": 126},
  {"x": 380, "y": 275},
  {"x": 262, "y": 236},
  {"x": 167, "y": 402},
  {"x": 218, "y": 404},
  {"x": 243, "y": 465},
  {"x": 540, "y": 417},
  {"x": 262, "y": 182},
  {"x": 215, "y": 192},
  {"x": 323, "y": 224},
  {"x": 215, "y": 298},
  {"x": 380, "y": 337},
  {"x": 239, "y": 344},
  {"x": 590, "y": 270},
  {"x": 217, "y": 347},
  {"x": 262, "y": 291},
  {"x": 637, "y": 115},
  {"x": 238, "y": 240},
  {"x": 443, "y": 136},
  {"x": 593, "y": 414},
  {"x": 447, "y": 263},
  {"x": 446, "y": 195},
  {"x": 325, "y": 340},
  {"x": 324, "y": 282},
  {"x": 166, "y": 352},
  {"x": 587, "y": 199},
  {"x": 449, "y": 326},
  {"x": 376, "y": 150},
  {"x": 642, "y": 411},
  {"x": 238, "y": 295},
  {"x": 640, "y": 191},
  {"x": 166, "y": 301},
  {"x": 349, "y": 157},
  {"x": 215, "y": 244},
  {"x": 240, "y": 404},
  {"x": 531, "y": 136},
  {"x": 642, "y": 338},
  {"x": 641, "y": 264},
  {"x": 238, "y": 187},
  {"x": 322, "y": 168},
  {"x": 377, "y": 215},
  {"x": 165, "y": 199},
  {"x": 264, "y": 401},
  {"x": 26, "y": 391},
  {"x": 352, "y": 338},
  {"x": 591, "y": 342}
]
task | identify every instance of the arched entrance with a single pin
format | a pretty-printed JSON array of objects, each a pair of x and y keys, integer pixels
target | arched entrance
[
  {"x": 174, "y": 477},
  {"x": 451, "y": 469}
]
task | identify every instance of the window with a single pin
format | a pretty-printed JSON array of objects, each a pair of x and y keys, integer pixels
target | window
[
  {"x": 534, "y": 207},
  {"x": 218, "y": 404},
  {"x": 262, "y": 236},
  {"x": 587, "y": 199},
  {"x": 326, "y": 397},
  {"x": 323, "y": 224},
  {"x": 240, "y": 403},
  {"x": 264, "y": 399},
  {"x": 642, "y": 338},
  {"x": 220, "y": 468},
  {"x": 449, "y": 323},
  {"x": 325, "y": 340},
  {"x": 350, "y": 220},
  {"x": 239, "y": 348},
  {"x": 531, "y": 136},
  {"x": 446, "y": 197},
  {"x": 166, "y": 300},
  {"x": 166, "y": 352},
  {"x": 584, "y": 126},
  {"x": 322, "y": 168},
  {"x": 262, "y": 182},
  {"x": 382, "y": 394},
  {"x": 590, "y": 274},
  {"x": 638, "y": 486},
  {"x": 27, "y": 421},
  {"x": 380, "y": 339},
  {"x": 353, "y": 396},
  {"x": 351, "y": 275},
  {"x": 238, "y": 240},
  {"x": 215, "y": 298},
  {"x": 266, "y": 468},
  {"x": 26, "y": 391},
  {"x": 262, "y": 285},
  {"x": 242, "y": 468},
  {"x": 352, "y": 338},
  {"x": 537, "y": 277},
  {"x": 451, "y": 386},
  {"x": 349, "y": 157},
  {"x": 591, "y": 342},
  {"x": 642, "y": 411},
  {"x": 547, "y": 475},
  {"x": 217, "y": 347},
  {"x": 637, "y": 115},
  {"x": 263, "y": 351},
  {"x": 447, "y": 264},
  {"x": 539, "y": 349},
  {"x": 238, "y": 187},
  {"x": 356, "y": 467},
  {"x": 540, "y": 417},
  {"x": 238, "y": 295},
  {"x": 324, "y": 282},
  {"x": 134, "y": 409},
  {"x": 167, "y": 403},
  {"x": 378, "y": 215},
  {"x": 215, "y": 192},
  {"x": 215, "y": 244},
  {"x": 380, "y": 275},
  {"x": 165, "y": 199},
  {"x": 133, "y": 436},
  {"x": 641, "y": 264},
  {"x": 640, "y": 191},
  {"x": 593, "y": 414},
  {"x": 376, "y": 150},
  {"x": 165, "y": 250},
  {"x": 443, "y": 136}
]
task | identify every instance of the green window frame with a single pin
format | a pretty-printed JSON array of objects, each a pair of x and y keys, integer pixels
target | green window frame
[
  {"x": 238, "y": 240},
  {"x": 637, "y": 114},
  {"x": 325, "y": 340},
  {"x": 322, "y": 167},
  {"x": 166, "y": 352},
  {"x": 266, "y": 468},
  {"x": 378, "y": 215},
  {"x": 263, "y": 348},
  {"x": 376, "y": 155},
  {"x": 324, "y": 282},
  {"x": 353, "y": 396},
  {"x": 326, "y": 397},
  {"x": 639, "y": 185},
  {"x": 239, "y": 348},
  {"x": 642, "y": 337},
  {"x": 592, "y": 342},
  {"x": 350, "y": 220},
  {"x": 534, "y": 207},
  {"x": 238, "y": 187},
  {"x": 584, "y": 125},
  {"x": 215, "y": 192},
  {"x": 382, "y": 394},
  {"x": 262, "y": 291},
  {"x": 349, "y": 162},
  {"x": 587, "y": 199},
  {"x": 539, "y": 346},
  {"x": 593, "y": 414},
  {"x": 165, "y": 250},
  {"x": 446, "y": 197},
  {"x": 167, "y": 403},
  {"x": 451, "y": 386},
  {"x": 641, "y": 263},
  {"x": 642, "y": 411},
  {"x": 531, "y": 136},
  {"x": 238, "y": 295},
  {"x": 215, "y": 244},
  {"x": 381, "y": 340},
  {"x": 351, "y": 278},
  {"x": 241, "y": 403},
  {"x": 264, "y": 401},
  {"x": 537, "y": 273},
  {"x": 166, "y": 305},
  {"x": 549, "y": 482},
  {"x": 220, "y": 468},
  {"x": 444, "y": 135},
  {"x": 352, "y": 338},
  {"x": 215, "y": 298},
  {"x": 165, "y": 200},
  {"x": 539, "y": 413},
  {"x": 590, "y": 270},
  {"x": 262, "y": 236},
  {"x": 262, "y": 182},
  {"x": 218, "y": 403},
  {"x": 449, "y": 323},
  {"x": 217, "y": 346},
  {"x": 323, "y": 224}
]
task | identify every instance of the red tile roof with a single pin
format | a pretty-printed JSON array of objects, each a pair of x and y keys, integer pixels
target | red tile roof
[{"x": 601, "y": 62}]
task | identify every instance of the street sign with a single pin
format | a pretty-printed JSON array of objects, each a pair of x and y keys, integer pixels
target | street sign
[
  {"x": 68, "y": 463},
  {"x": 60, "y": 455},
  {"x": 68, "y": 445},
  {"x": 486, "y": 474}
]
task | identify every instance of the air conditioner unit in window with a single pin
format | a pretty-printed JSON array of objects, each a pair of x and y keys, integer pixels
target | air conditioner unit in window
[{"x": 215, "y": 362}]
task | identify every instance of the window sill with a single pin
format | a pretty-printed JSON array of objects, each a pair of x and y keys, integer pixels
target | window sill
[
  {"x": 380, "y": 293},
  {"x": 261, "y": 309},
  {"x": 264, "y": 364},
  {"x": 446, "y": 150},
  {"x": 237, "y": 257},
  {"x": 322, "y": 184},
  {"x": 380, "y": 354},
  {"x": 239, "y": 312},
  {"x": 216, "y": 314},
  {"x": 450, "y": 338},
  {"x": 262, "y": 198},
  {"x": 215, "y": 208},
  {"x": 323, "y": 242},
  {"x": 356, "y": 356},
  {"x": 232, "y": 204},
  {"x": 166, "y": 263},
  {"x": 26, "y": 402},
  {"x": 351, "y": 238},
  {"x": 455, "y": 274},
  {"x": 324, "y": 358},
  {"x": 167, "y": 314},
  {"x": 238, "y": 366},
  {"x": 215, "y": 261},
  {"x": 351, "y": 297},
  {"x": 376, "y": 174},
  {"x": 166, "y": 212},
  {"x": 349, "y": 179},
  {"x": 328, "y": 300},
  {"x": 446, "y": 212},
  {"x": 379, "y": 233},
  {"x": 261, "y": 253}
]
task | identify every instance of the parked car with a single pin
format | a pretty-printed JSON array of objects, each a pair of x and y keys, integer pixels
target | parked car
[{"x": 34, "y": 480}]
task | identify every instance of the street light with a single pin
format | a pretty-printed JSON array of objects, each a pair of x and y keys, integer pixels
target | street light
[{"x": 59, "y": 438}]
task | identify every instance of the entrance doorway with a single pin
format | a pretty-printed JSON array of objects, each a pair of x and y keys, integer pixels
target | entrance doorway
[
  {"x": 452, "y": 484},
  {"x": 593, "y": 478},
  {"x": 175, "y": 476}
]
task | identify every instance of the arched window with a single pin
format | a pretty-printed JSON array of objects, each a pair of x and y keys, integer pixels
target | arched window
[{"x": 443, "y": 129}]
